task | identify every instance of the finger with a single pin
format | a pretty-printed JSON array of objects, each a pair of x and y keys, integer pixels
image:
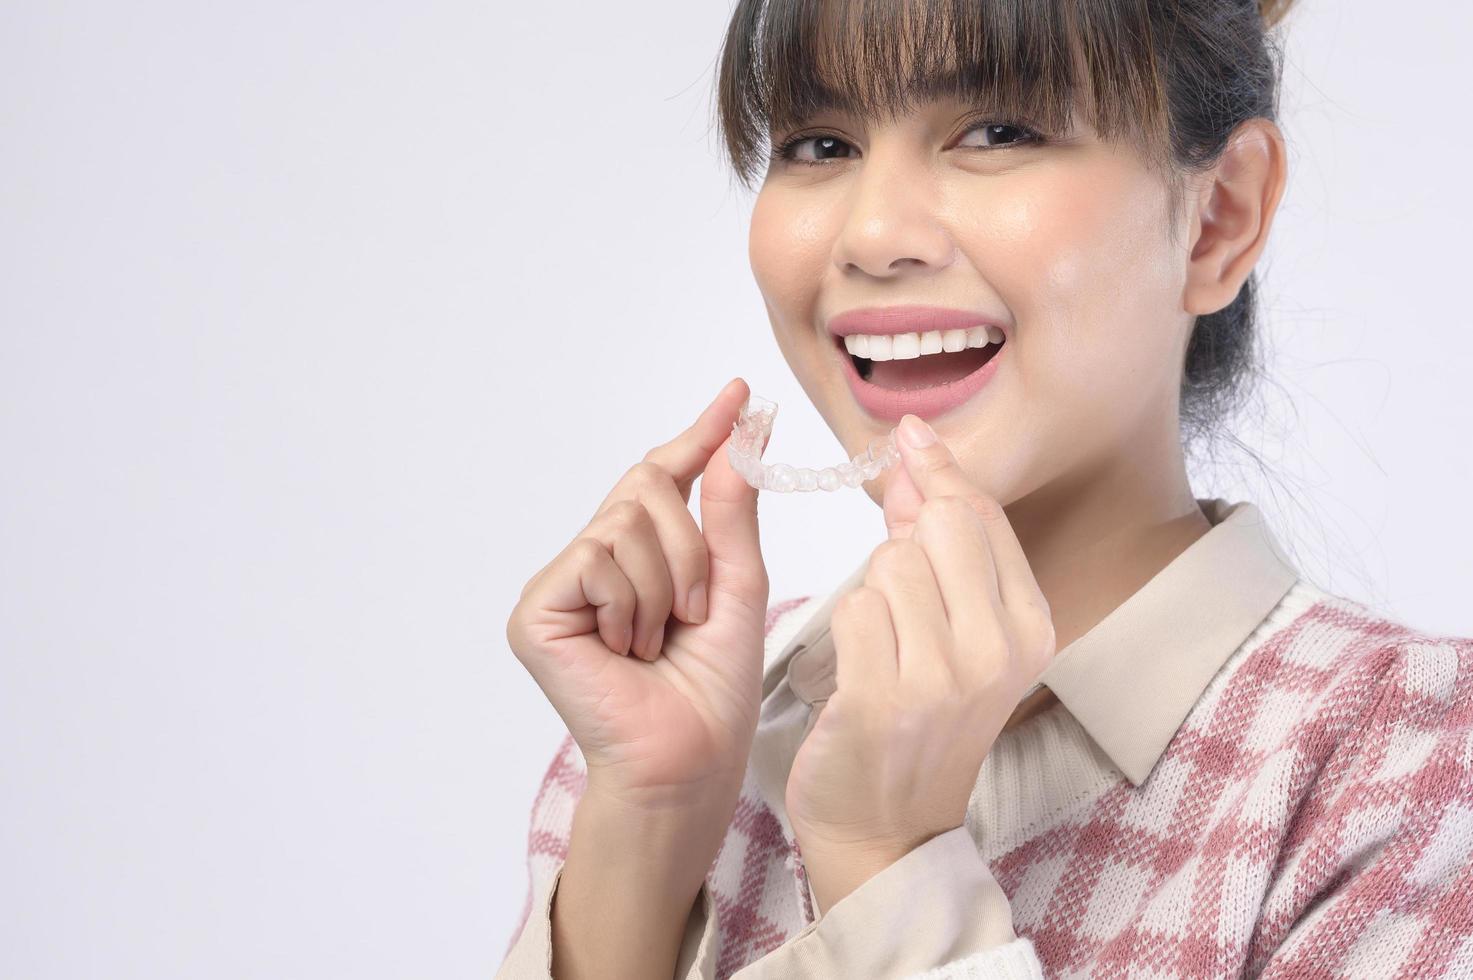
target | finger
[
  {"x": 679, "y": 537},
  {"x": 628, "y": 531},
  {"x": 686, "y": 456},
  {"x": 951, "y": 535},
  {"x": 901, "y": 503},
  {"x": 863, "y": 635},
  {"x": 937, "y": 474},
  {"x": 733, "y": 544},
  {"x": 901, "y": 572},
  {"x": 585, "y": 575}
]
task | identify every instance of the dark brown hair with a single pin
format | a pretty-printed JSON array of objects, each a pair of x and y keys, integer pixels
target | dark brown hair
[{"x": 1172, "y": 77}]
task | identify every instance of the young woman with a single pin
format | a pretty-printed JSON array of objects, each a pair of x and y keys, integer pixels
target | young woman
[{"x": 1068, "y": 718}]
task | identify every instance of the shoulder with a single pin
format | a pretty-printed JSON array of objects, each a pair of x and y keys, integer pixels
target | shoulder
[
  {"x": 1421, "y": 712},
  {"x": 1406, "y": 669},
  {"x": 1386, "y": 699},
  {"x": 1370, "y": 788},
  {"x": 1327, "y": 645},
  {"x": 1329, "y": 692}
]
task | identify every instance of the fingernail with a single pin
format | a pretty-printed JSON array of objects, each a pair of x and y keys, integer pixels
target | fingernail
[
  {"x": 695, "y": 603},
  {"x": 659, "y": 641},
  {"x": 917, "y": 432}
]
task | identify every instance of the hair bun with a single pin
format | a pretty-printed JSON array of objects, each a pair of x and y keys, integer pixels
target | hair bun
[{"x": 1273, "y": 11}]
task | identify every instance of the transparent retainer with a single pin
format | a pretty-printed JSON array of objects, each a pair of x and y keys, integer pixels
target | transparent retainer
[{"x": 754, "y": 425}]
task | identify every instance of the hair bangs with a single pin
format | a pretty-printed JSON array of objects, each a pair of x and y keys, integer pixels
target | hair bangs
[{"x": 1033, "y": 61}]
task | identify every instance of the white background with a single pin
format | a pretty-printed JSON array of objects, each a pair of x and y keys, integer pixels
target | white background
[{"x": 323, "y": 325}]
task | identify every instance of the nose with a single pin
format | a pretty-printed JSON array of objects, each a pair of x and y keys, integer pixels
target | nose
[{"x": 894, "y": 221}]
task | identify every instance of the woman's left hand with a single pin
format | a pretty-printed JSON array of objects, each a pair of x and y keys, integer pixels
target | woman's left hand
[{"x": 933, "y": 652}]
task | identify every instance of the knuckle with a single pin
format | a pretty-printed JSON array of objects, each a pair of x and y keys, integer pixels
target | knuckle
[
  {"x": 689, "y": 541},
  {"x": 657, "y": 453},
  {"x": 1040, "y": 632},
  {"x": 693, "y": 551},
  {"x": 693, "y": 556},
  {"x": 895, "y": 556},
  {"x": 910, "y": 724},
  {"x": 990, "y": 646},
  {"x": 935, "y": 463},
  {"x": 646, "y": 475},
  {"x": 585, "y": 550},
  {"x": 848, "y": 605},
  {"x": 883, "y": 550},
  {"x": 528, "y": 585},
  {"x": 988, "y": 508},
  {"x": 892, "y": 549},
  {"x": 514, "y": 631},
  {"x": 857, "y": 601},
  {"x": 1003, "y": 640},
  {"x": 947, "y": 510},
  {"x": 627, "y": 514}
]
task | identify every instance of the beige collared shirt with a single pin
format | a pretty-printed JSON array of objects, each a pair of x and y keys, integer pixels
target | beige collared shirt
[
  {"x": 1113, "y": 679},
  {"x": 1124, "y": 689}
]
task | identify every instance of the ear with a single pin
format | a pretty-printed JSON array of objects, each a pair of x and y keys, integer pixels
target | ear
[{"x": 1235, "y": 207}]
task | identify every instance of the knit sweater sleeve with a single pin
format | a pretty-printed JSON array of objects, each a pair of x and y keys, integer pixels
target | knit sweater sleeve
[{"x": 1377, "y": 878}]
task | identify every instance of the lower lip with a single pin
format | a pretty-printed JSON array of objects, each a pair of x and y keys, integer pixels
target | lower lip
[{"x": 891, "y": 405}]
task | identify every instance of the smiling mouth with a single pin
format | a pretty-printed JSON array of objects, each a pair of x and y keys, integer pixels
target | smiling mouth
[{"x": 923, "y": 371}]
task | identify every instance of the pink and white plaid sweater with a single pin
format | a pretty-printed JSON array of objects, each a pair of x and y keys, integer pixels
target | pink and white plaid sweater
[{"x": 1313, "y": 817}]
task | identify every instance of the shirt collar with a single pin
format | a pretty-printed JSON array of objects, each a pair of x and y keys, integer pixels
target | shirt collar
[{"x": 1131, "y": 680}]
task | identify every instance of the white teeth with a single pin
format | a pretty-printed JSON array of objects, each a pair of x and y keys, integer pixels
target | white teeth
[{"x": 904, "y": 346}]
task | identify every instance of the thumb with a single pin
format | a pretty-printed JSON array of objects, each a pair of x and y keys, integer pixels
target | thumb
[{"x": 729, "y": 525}]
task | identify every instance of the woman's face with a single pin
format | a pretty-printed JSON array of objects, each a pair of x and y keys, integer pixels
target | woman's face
[{"x": 1062, "y": 243}]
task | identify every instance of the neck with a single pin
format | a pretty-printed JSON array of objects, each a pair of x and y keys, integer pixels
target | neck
[{"x": 1095, "y": 537}]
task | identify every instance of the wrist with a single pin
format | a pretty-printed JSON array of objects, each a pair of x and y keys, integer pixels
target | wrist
[
  {"x": 835, "y": 870},
  {"x": 672, "y": 810},
  {"x": 667, "y": 842},
  {"x": 629, "y": 885}
]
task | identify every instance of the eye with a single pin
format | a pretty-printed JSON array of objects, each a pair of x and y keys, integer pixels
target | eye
[
  {"x": 822, "y": 144},
  {"x": 1005, "y": 133},
  {"x": 1000, "y": 130}
]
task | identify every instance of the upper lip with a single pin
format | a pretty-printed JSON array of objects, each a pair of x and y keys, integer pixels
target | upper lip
[{"x": 907, "y": 319}]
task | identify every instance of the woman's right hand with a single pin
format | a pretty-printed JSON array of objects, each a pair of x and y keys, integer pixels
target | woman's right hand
[{"x": 663, "y": 708}]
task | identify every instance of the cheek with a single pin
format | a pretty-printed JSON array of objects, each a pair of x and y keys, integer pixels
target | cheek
[
  {"x": 787, "y": 246},
  {"x": 1089, "y": 273}
]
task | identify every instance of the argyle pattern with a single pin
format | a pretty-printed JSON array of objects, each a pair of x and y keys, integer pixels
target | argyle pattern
[{"x": 1312, "y": 817}]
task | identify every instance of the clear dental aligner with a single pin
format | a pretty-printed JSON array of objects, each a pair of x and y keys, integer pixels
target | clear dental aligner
[{"x": 754, "y": 424}]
